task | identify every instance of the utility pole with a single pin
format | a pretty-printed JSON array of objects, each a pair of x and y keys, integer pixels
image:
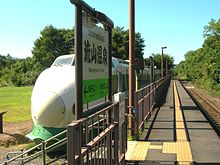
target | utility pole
[
  {"x": 131, "y": 64},
  {"x": 151, "y": 70},
  {"x": 162, "y": 48},
  {"x": 166, "y": 67}
]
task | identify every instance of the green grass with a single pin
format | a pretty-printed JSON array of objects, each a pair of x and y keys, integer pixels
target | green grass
[{"x": 17, "y": 102}]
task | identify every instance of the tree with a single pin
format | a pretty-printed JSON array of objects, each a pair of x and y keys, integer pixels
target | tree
[
  {"x": 6, "y": 62},
  {"x": 212, "y": 29},
  {"x": 120, "y": 43},
  {"x": 157, "y": 60},
  {"x": 202, "y": 66},
  {"x": 181, "y": 70},
  {"x": 52, "y": 43},
  {"x": 139, "y": 45}
]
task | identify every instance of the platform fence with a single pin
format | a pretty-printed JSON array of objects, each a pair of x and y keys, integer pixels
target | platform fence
[
  {"x": 97, "y": 139},
  {"x": 146, "y": 99}
]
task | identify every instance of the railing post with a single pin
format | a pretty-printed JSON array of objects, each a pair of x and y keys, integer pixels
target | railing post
[
  {"x": 136, "y": 115},
  {"x": 148, "y": 93},
  {"x": 108, "y": 138},
  {"x": 143, "y": 108},
  {"x": 1, "y": 122},
  {"x": 151, "y": 70},
  {"x": 73, "y": 143},
  {"x": 153, "y": 86},
  {"x": 43, "y": 153},
  {"x": 116, "y": 134},
  {"x": 109, "y": 151},
  {"x": 121, "y": 131},
  {"x": 152, "y": 95},
  {"x": 70, "y": 145}
]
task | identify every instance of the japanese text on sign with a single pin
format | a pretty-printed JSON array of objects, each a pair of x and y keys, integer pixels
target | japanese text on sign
[{"x": 95, "y": 62}]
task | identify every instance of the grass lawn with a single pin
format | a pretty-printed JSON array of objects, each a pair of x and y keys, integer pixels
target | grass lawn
[{"x": 17, "y": 102}]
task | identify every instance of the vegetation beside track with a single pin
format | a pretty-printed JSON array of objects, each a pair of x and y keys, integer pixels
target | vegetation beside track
[
  {"x": 202, "y": 66},
  {"x": 16, "y": 101}
]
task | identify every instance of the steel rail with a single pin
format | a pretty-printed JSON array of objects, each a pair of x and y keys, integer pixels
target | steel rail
[
  {"x": 212, "y": 122},
  {"x": 207, "y": 101}
]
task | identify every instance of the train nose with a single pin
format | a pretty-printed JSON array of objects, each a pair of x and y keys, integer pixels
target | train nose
[{"x": 48, "y": 109}]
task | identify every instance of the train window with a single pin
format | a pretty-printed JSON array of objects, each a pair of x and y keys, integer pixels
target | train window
[
  {"x": 65, "y": 60},
  {"x": 113, "y": 65}
]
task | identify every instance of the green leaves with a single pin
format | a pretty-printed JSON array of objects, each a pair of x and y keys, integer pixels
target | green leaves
[
  {"x": 212, "y": 29},
  {"x": 52, "y": 43},
  {"x": 120, "y": 43},
  {"x": 203, "y": 65},
  {"x": 157, "y": 60}
]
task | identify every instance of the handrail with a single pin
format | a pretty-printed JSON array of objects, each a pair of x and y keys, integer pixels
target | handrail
[
  {"x": 145, "y": 100},
  {"x": 97, "y": 139},
  {"x": 98, "y": 146},
  {"x": 96, "y": 113},
  {"x": 22, "y": 157}
]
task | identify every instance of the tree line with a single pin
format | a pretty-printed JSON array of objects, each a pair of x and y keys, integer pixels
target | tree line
[
  {"x": 54, "y": 42},
  {"x": 157, "y": 61},
  {"x": 202, "y": 66}
]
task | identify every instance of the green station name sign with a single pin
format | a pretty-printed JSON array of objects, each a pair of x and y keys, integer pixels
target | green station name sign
[{"x": 95, "y": 62}]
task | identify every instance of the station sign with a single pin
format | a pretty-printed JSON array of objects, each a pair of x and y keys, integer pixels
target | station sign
[{"x": 95, "y": 61}]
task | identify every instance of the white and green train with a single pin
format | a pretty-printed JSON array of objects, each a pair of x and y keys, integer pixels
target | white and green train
[{"x": 52, "y": 99}]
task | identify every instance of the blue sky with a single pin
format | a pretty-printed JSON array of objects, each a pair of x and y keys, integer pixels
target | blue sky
[{"x": 177, "y": 24}]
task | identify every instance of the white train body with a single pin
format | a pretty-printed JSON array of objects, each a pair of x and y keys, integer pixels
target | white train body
[{"x": 53, "y": 95}]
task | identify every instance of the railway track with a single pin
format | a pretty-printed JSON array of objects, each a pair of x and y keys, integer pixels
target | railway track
[{"x": 207, "y": 105}]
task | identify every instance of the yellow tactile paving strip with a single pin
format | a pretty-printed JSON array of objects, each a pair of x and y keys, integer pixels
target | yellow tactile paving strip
[
  {"x": 179, "y": 125},
  {"x": 131, "y": 145},
  {"x": 182, "y": 149},
  {"x": 181, "y": 135},
  {"x": 182, "y": 146},
  {"x": 137, "y": 150}
]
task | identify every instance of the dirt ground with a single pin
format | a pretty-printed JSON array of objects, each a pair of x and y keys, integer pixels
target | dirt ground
[
  {"x": 13, "y": 137},
  {"x": 14, "y": 133}
]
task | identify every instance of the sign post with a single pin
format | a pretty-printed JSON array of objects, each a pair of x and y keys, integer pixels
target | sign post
[
  {"x": 92, "y": 56},
  {"x": 78, "y": 61}
]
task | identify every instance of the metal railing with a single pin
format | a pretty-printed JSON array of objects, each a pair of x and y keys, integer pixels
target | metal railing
[
  {"x": 145, "y": 100},
  {"x": 144, "y": 103},
  {"x": 101, "y": 137},
  {"x": 39, "y": 150},
  {"x": 161, "y": 85},
  {"x": 96, "y": 138}
]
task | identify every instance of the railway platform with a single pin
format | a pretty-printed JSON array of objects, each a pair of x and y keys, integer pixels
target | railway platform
[{"x": 176, "y": 133}]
